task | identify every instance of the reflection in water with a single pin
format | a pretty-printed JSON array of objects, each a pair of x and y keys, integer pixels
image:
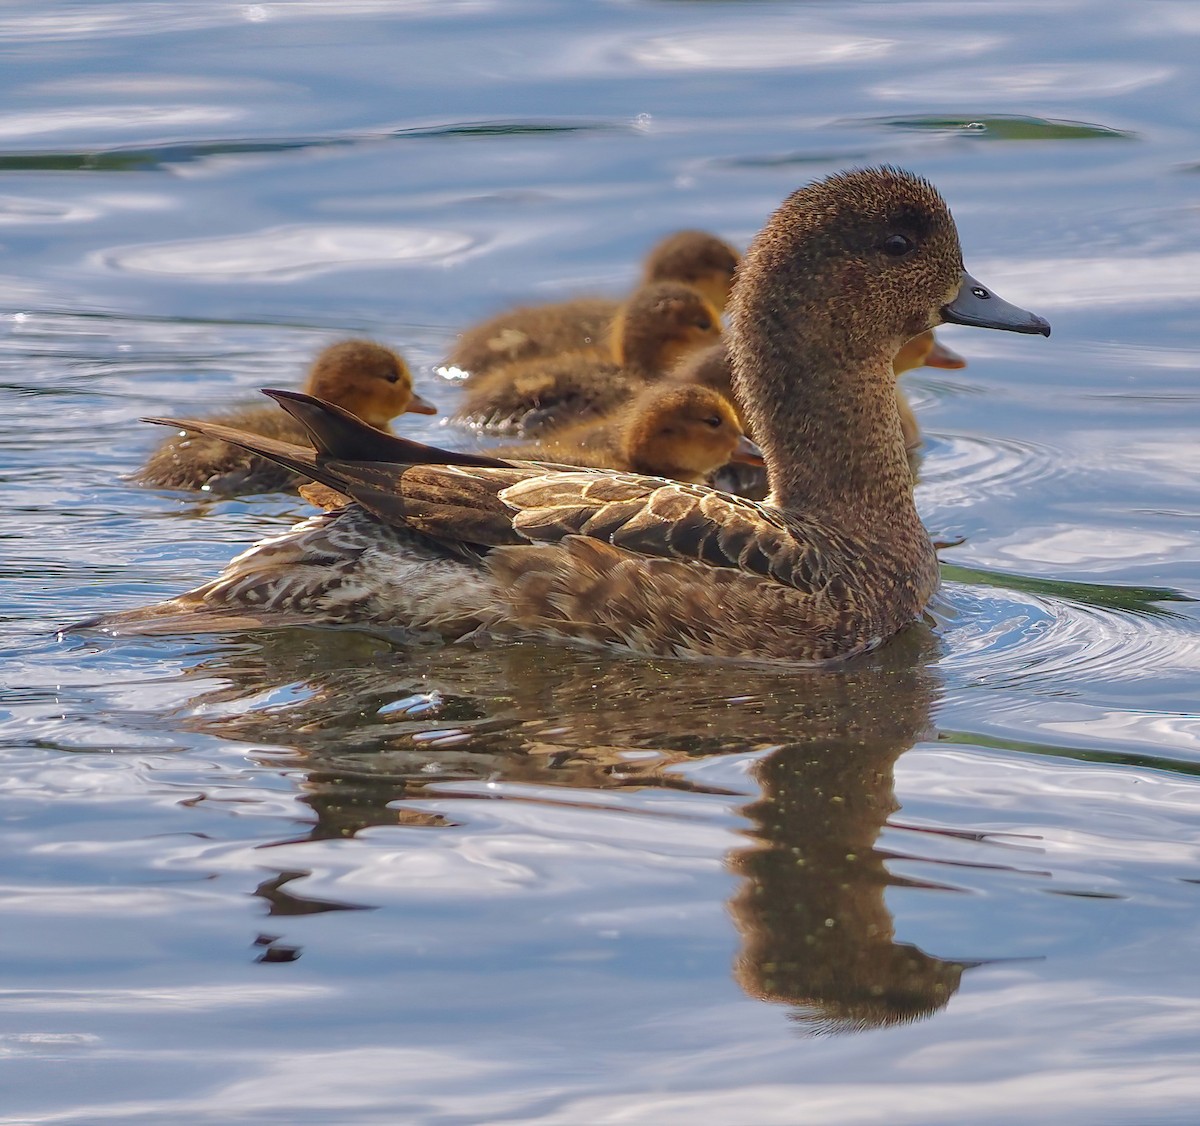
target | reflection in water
[
  {"x": 375, "y": 728},
  {"x": 816, "y": 931}
]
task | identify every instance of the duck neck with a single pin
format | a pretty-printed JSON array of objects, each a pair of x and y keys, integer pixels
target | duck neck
[{"x": 830, "y": 432}]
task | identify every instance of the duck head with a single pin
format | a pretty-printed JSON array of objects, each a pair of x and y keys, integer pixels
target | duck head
[
  {"x": 869, "y": 259},
  {"x": 686, "y": 432},
  {"x": 660, "y": 324},
  {"x": 366, "y": 379},
  {"x": 846, "y": 271},
  {"x": 698, "y": 259}
]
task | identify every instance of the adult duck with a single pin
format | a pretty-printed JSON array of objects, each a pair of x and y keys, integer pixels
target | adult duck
[
  {"x": 693, "y": 258},
  {"x": 658, "y": 326},
  {"x": 363, "y": 377},
  {"x": 455, "y": 545}
]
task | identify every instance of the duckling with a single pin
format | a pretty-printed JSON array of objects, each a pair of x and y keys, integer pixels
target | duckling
[
  {"x": 661, "y": 323},
  {"x": 695, "y": 258},
  {"x": 677, "y": 431},
  {"x": 365, "y": 378},
  {"x": 833, "y": 563}
]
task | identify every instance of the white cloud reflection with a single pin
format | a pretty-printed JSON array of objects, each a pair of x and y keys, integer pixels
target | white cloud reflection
[
  {"x": 1131, "y": 280},
  {"x": 288, "y": 253},
  {"x": 1032, "y": 81}
]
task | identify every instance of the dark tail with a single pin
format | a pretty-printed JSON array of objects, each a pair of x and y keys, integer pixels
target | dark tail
[
  {"x": 336, "y": 434},
  {"x": 339, "y": 435}
]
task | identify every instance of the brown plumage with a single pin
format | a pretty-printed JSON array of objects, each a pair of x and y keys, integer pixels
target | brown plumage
[
  {"x": 661, "y": 323},
  {"x": 365, "y": 378},
  {"x": 680, "y": 432},
  {"x": 695, "y": 258},
  {"x": 712, "y": 367},
  {"x": 438, "y": 543}
]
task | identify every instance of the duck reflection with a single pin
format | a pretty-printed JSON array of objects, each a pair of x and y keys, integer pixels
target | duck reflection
[{"x": 374, "y": 728}]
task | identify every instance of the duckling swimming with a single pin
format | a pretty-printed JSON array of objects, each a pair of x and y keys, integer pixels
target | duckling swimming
[
  {"x": 365, "y": 378},
  {"x": 693, "y": 258},
  {"x": 834, "y": 563},
  {"x": 677, "y": 431},
  {"x": 661, "y": 323}
]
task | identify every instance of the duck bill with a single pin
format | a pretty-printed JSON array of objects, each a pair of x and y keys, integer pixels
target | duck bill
[
  {"x": 747, "y": 453},
  {"x": 942, "y": 357},
  {"x": 978, "y": 306},
  {"x": 418, "y": 405}
]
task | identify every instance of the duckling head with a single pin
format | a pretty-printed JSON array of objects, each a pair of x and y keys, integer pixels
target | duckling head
[
  {"x": 660, "y": 324},
  {"x": 686, "y": 432},
  {"x": 925, "y": 350},
  {"x": 366, "y": 379},
  {"x": 698, "y": 259}
]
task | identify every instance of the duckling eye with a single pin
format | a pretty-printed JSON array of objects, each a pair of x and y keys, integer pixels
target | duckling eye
[
  {"x": 703, "y": 323},
  {"x": 392, "y": 377},
  {"x": 897, "y": 245},
  {"x": 713, "y": 421}
]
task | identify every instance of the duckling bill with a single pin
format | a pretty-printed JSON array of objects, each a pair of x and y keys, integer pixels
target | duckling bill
[{"x": 832, "y": 564}]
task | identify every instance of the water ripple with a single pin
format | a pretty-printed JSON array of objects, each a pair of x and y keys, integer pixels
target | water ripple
[
  {"x": 289, "y": 253},
  {"x": 1011, "y": 639},
  {"x": 960, "y": 470}
]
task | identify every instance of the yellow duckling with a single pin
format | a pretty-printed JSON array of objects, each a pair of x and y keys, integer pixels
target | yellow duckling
[
  {"x": 659, "y": 325},
  {"x": 676, "y": 431},
  {"x": 834, "y": 563},
  {"x": 363, "y": 377},
  {"x": 694, "y": 258}
]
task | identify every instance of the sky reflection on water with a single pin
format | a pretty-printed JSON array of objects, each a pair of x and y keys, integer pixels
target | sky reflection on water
[{"x": 310, "y": 876}]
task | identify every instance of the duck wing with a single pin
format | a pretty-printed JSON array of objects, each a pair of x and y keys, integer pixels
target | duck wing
[{"x": 471, "y": 501}]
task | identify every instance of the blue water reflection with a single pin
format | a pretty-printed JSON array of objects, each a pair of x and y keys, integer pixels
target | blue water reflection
[{"x": 315, "y": 877}]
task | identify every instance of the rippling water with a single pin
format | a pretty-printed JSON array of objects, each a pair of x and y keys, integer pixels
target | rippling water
[{"x": 312, "y": 877}]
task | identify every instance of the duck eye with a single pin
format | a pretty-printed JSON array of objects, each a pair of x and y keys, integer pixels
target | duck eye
[
  {"x": 392, "y": 377},
  {"x": 897, "y": 245},
  {"x": 713, "y": 421},
  {"x": 703, "y": 324}
]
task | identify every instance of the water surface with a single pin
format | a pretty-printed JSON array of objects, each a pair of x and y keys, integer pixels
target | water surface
[{"x": 311, "y": 876}]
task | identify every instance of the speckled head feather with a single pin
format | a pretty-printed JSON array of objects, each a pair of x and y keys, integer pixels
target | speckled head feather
[{"x": 831, "y": 250}]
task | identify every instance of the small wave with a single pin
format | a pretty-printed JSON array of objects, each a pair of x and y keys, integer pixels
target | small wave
[{"x": 961, "y": 470}]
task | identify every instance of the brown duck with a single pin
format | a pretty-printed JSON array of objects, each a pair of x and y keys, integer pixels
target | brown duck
[
  {"x": 659, "y": 325},
  {"x": 694, "y": 258},
  {"x": 363, "y": 377},
  {"x": 452, "y": 545}
]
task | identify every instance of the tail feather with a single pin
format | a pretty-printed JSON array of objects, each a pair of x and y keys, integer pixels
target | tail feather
[
  {"x": 339, "y": 435},
  {"x": 299, "y": 459}
]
